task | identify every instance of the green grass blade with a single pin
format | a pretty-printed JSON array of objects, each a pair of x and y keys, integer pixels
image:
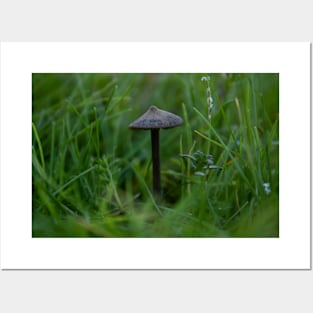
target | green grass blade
[
  {"x": 226, "y": 149},
  {"x": 42, "y": 159}
]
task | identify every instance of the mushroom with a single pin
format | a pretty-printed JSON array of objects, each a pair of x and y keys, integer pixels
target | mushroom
[{"x": 154, "y": 119}]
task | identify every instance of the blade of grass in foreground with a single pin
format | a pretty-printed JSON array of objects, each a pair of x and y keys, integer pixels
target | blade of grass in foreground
[
  {"x": 42, "y": 160},
  {"x": 144, "y": 185},
  {"x": 73, "y": 179},
  {"x": 220, "y": 140}
]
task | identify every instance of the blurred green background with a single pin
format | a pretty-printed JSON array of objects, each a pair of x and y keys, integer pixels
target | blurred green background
[{"x": 219, "y": 170}]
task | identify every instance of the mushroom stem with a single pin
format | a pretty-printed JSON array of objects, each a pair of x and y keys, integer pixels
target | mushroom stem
[
  {"x": 154, "y": 119},
  {"x": 156, "y": 160}
]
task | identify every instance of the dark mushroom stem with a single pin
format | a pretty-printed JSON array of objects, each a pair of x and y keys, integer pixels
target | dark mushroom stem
[{"x": 156, "y": 160}]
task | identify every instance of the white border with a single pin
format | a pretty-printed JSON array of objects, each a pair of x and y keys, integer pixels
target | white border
[{"x": 290, "y": 251}]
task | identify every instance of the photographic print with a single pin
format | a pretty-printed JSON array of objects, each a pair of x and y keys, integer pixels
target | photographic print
[{"x": 155, "y": 155}]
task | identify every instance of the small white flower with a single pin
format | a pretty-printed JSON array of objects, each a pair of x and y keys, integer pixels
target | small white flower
[
  {"x": 211, "y": 102},
  {"x": 205, "y": 78},
  {"x": 267, "y": 188},
  {"x": 209, "y": 99}
]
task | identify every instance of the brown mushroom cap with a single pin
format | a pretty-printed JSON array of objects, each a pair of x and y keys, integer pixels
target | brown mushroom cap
[{"x": 155, "y": 118}]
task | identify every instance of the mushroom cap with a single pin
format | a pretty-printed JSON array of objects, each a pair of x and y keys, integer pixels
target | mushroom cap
[{"x": 155, "y": 118}]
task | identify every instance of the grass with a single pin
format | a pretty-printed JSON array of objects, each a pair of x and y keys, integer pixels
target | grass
[{"x": 219, "y": 170}]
